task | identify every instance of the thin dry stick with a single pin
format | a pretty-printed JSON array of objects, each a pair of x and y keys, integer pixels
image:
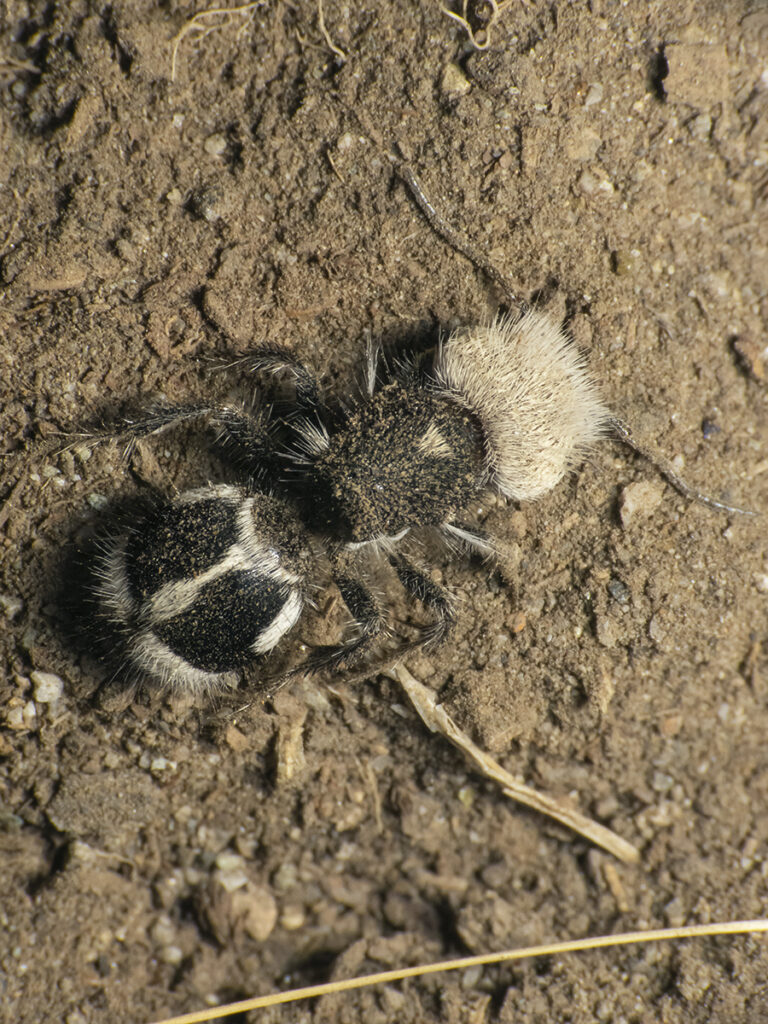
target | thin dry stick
[
  {"x": 438, "y": 720},
  {"x": 691, "y": 931},
  {"x": 486, "y": 18},
  {"x": 441, "y": 226},
  {"x": 197, "y": 24},
  {"x": 10, "y": 64},
  {"x": 624, "y": 434},
  {"x": 327, "y": 37}
]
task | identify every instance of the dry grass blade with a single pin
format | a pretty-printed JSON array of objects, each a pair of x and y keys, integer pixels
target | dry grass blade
[
  {"x": 336, "y": 50},
  {"x": 386, "y": 977},
  {"x": 197, "y": 23},
  {"x": 477, "y": 18},
  {"x": 437, "y": 720}
]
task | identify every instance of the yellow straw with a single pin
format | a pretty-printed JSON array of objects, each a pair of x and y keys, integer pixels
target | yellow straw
[{"x": 575, "y": 945}]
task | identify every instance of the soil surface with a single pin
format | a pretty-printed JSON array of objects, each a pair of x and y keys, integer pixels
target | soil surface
[{"x": 163, "y": 202}]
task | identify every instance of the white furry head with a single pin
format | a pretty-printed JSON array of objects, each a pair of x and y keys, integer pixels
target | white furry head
[{"x": 527, "y": 384}]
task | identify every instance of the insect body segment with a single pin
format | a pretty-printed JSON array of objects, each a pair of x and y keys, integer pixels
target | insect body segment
[
  {"x": 526, "y": 382},
  {"x": 408, "y": 457},
  {"x": 202, "y": 585}
]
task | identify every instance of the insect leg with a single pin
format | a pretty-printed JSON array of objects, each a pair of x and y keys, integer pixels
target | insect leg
[
  {"x": 370, "y": 623},
  {"x": 432, "y": 596}
]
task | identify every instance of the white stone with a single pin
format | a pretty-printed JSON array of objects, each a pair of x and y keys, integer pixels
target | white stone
[{"x": 48, "y": 687}]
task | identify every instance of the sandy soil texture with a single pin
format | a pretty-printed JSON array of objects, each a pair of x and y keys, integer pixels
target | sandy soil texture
[{"x": 161, "y": 202}]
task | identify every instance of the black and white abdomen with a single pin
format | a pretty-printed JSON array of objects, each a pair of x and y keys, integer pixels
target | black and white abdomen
[{"x": 203, "y": 584}]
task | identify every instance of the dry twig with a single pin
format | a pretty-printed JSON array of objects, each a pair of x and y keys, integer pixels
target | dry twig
[
  {"x": 336, "y": 50},
  {"x": 457, "y": 241},
  {"x": 663, "y": 466},
  {"x": 438, "y": 720}
]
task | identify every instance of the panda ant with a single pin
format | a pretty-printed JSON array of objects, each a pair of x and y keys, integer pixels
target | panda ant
[{"x": 203, "y": 585}]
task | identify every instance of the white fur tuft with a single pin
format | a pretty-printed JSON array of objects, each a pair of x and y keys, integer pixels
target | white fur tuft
[{"x": 527, "y": 384}]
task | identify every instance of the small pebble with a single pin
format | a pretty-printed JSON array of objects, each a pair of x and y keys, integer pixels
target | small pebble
[
  {"x": 454, "y": 81},
  {"x": 286, "y": 877},
  {"x": 48, "y": 687},
  {"x": 639, "y": 500},
  {"x": 594, "y": 95},
  {"x": 162, "y": 931},
  {"x": 227, "y": 860},
  {"x": 607, "y": 631},
  {"x": 394, "y": 1000},
  {"x": 661, "y": 782},
  {"x": 292, "y": 917},
  {"x": 11, "y": 605},
  {"x": 230, "y": 881},
  {"x": 216, "y": 144},
  {"x": 207, "y": 203},
  {"x": 618, "y": 591},
  {"x": 697, "y": 73},
  {"x": 255, "y": 906},
  {"x": 230, "y": 871},
  {"x": 748, "y": 851},
  {"x": 625, "y": 262},
  {"x": 518, "y": 622},
  {"x": 582, "y": 144},
  {"x": 671, "y": 724},
  {"x": 14, "y": 717},
  {"x": 166, "y": 890},
  {"x": 601, "y": 690},
  {"x": 466, "y": 796},
  {"x": 471, "y": 977},
  {"x": 656, "y": 630},
  {"x": 675, "y": 913},
  {"x": 615, "y": 884},
  {"x": 593, "y": 184},
  {"x": 126, "y": 250},
  {"x": 701, "y": 127}
]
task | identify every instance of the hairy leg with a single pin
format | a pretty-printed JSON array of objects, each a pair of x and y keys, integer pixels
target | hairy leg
[
  {"x": 432, "y": 596},
  {"x": 273, "y": 359},
  {"x": 244, "y": 435},
  {"x": 370, "y": 623}
]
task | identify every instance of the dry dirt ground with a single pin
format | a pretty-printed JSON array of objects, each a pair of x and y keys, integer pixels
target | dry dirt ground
[{"x": 612, "y": 160}]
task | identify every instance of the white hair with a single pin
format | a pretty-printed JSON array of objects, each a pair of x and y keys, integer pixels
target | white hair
[{"x": 527, "y": 384}]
